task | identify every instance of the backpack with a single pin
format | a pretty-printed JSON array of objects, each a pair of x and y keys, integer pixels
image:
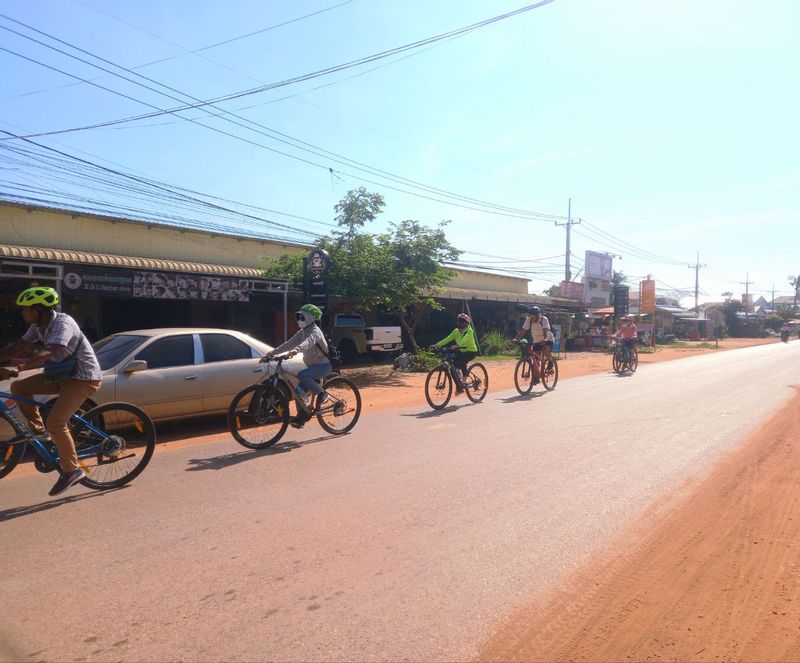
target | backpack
[{"x": 333, "y": 354}]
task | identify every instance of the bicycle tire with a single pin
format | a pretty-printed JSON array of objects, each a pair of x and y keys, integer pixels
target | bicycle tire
[
  {"x": 617, "y": 363},
  {"x": 634, "y": 360},
  {"x": 550, "y": 374},
  {"x": 477, "y": 383},
  {"x": 438, "y": 382},
  {"x": 344, "y": 399},
  {"x": 10, "y": 454},
  {"x": 129, "y": 428},
  {"x": 248, "y": 422},
  {"x": 523, "y": 376}
]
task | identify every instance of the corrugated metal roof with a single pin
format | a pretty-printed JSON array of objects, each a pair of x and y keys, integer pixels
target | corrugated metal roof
[{"x": 128, "y": 262}]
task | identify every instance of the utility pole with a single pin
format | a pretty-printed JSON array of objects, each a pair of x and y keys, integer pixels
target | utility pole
[
  {"x": 772, "y": 306},
  {"x": 696, "y": 267},
  {"x": 568, "y": 224},
  {"x": 746, "y": 283}
]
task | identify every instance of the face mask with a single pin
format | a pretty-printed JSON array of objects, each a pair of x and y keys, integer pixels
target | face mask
[{"x": 303, "y": 319}]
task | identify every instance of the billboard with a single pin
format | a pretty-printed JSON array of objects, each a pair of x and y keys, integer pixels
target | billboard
[
  {"x": 572, "y": 290},
  {"x": 647, "y": 296},
  {"x": 598, "y": 266},
  {"x": 597, "y": 293},
  {"x": 168, "y": 285},
  {"x": 747, "y": 301}
]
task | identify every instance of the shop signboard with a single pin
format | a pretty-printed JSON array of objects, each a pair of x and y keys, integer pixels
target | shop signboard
[
  {"x": 597, "y": 293},
  {"x": 621, "y": 301},
  {"x": 170, "y": 285},
  {"x": 644, "y": 332},
  {"x": 317, "y": 265},
  {"x": 85, "y": 279},
  {"x": 557, "y": 337},
  {"x": 572, "y": 290},
  {"x": 598, "y": 265},
  {"x": 647, "y": 296}
]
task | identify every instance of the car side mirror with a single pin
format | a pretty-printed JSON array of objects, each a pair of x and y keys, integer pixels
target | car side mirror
[{"x": 135, "y": 366}]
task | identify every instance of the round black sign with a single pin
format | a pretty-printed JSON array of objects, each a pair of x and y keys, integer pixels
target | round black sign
[{"x": 318, "y": 261}]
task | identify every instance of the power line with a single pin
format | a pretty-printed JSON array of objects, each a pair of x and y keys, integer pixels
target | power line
[
  {"x": 304, "y": 77},
  {"x": 186, "y": 50},
  {"x": 491, "y": 208}
]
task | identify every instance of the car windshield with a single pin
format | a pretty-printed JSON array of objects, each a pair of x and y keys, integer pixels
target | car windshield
[{"x": 111, "y": 349}]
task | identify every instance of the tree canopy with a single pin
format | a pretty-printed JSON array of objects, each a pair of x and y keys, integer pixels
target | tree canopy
[{"x": 400, "y": 269}]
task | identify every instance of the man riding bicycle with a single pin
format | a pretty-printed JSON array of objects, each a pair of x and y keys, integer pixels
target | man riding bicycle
[
  {"x": 628, "y": 333},
  {"x": 537, "y": 329},
  {"x": 311, "y": 342},
  {"x": 62, "y": 339},
  {"x": 463, "y": 337}
]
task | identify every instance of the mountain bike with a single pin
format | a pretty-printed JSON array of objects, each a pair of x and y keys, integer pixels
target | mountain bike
[
  {"x": 259, "y": 414},
  {"x": 439, "y": 381},
  {"x": 624, "y": 359},
  {"x": 114, "y": 442},
  {"x": 532, "y": 368}
]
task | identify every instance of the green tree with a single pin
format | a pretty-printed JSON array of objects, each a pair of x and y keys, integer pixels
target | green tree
[
  {"x": 729, "y": 310},
  {"x": 417, "y": 254},
  {"x": 401, "y": 269},
  {"x": 552, "y": 291},
  {"x": 727, "y": 295}
]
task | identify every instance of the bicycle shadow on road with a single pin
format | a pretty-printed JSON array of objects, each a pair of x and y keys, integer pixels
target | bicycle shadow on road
[
  {"x": 523, "y": 397},
  {"x": 229, "y": 460},
  {"x": 20, "y": 511},
  {"x": 438, "y": 413}
]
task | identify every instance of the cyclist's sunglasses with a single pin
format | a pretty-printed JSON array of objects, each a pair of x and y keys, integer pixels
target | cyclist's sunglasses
[{"x": 299, "y": 316}]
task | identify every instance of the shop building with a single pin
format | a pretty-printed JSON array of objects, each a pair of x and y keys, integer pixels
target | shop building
[{"x": 114, "y": 274}]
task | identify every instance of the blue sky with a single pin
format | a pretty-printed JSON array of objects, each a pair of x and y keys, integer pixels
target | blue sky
[{"x": 671, "y": 125}]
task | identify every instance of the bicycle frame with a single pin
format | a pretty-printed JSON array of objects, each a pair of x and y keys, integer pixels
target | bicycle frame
[
  {"x": 275, "y": 371},
  {"x": 23, "y": 429},
  {"x": 536, "y": 361}
]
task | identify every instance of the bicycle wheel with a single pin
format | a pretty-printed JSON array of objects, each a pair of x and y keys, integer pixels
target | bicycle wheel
[
  {"x": 523, "y": 376},
  {"x": 341, "y": 411},
  {"x": 438, "y": 387},
  {"x": 258, "y": 416},
  {"x": 550, "y": 377},
  {"x": 10, "y": 454},
  {"x": 477, "y": 383},
  {"x": 618, "y": 363},
  {"x": 634, "y": 363},
  {"x": 122, "y": 452}
]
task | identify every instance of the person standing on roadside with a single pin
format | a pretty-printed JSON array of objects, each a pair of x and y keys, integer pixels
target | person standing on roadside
[{"x": 62, "y": 339}]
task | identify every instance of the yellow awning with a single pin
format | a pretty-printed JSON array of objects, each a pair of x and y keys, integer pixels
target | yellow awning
[{"x": 127, "y": 262}]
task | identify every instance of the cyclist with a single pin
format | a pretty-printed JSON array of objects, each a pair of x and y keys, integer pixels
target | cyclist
[
  {"x": 62, "y": 338},
  {"x": 463, "y": 337},
  {"x": 537, "y": 328},
  {"x": 311, "y": 342},
  {"x": 627, "y": 332}
]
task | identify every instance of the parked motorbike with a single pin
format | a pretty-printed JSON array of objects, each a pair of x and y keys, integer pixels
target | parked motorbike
[{"x": 785, "y": 336}]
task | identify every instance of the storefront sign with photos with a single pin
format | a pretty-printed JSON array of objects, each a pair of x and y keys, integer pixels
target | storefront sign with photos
[{"x": 167, "y": 285}]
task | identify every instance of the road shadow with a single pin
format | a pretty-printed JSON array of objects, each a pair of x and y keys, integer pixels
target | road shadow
[
  {"x": 172, "y": 431},
  {"x": 375, "y": 377},
  {"x": 20, "y": 511},
  {"x": 523, "y": 397},
  {"x": 229, "y": 460},
  {"x": 427, "y": 414}
]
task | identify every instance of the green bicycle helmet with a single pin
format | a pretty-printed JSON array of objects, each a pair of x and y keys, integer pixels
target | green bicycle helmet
[
  {"x": 313, "y": 311},
  {"x": 38, "y": 295}
]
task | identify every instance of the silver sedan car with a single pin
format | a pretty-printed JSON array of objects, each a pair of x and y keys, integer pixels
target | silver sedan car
[{"x": 176, "y": 373}]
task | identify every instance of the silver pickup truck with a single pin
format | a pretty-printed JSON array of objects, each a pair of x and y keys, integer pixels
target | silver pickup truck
[{"x": 354, "y": 338}]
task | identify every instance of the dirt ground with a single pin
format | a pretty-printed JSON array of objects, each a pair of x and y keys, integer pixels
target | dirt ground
[{"x": 715, "y": 579}]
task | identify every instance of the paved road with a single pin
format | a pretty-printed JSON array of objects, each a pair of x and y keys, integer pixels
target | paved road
[{"x": 409, "y": 539}]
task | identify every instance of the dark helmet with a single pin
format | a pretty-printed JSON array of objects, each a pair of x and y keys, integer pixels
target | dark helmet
[{"x": 533, "y": 310}]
